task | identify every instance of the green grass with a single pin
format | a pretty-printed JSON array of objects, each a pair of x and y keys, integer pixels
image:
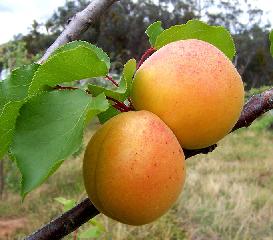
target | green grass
[{"x": 228, "y": 194}]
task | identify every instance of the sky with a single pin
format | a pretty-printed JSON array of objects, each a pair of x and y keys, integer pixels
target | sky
[{"x": 16, "y": 16}]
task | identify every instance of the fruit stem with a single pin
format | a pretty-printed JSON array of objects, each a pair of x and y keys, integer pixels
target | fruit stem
[
  {"x": 145, "y": 55},
  {"x": 112, "y": 80},
  {"x": 119, "y": 105}
]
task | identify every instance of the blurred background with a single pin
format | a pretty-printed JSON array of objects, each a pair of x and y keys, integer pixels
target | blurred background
[{"x": 228, "y": 193}]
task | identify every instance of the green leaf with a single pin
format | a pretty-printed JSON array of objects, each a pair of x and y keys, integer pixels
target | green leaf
[
  {"x": 15, "y": 87},
  {"x": 153, "y": 31},
  {"x": 48, "y": 130},
  {"x": 13, "y": 94},
  {"x": 7, "y": 125},
  {"x": 271, "y": 40},
  {"x": 123, "y": 90},
  {"x": 98, "y": 105},
  {"x": 74, "y": 61},
  {"x": 195, "y": 29},
  {"x": 72, "y": 45},
  {"x": 108, "y": 114},
  {"x": 67, "y": 203}
]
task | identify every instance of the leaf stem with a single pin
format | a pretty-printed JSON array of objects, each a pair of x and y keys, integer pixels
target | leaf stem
[
  {"x": 145, "y": 55},
  {"x": 119, "y": 105},
  {"x": 112, "y": 80}
]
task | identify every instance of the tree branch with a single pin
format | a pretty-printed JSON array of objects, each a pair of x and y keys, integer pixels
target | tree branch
[
  {"x": 71, "y": 220},
  {"x": 79, "y": 24},
  {"x": 66, "y": 223},
  {"x": 256, "y": 106}
]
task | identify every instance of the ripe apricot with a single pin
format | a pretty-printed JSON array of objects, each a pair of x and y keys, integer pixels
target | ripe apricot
[
  {"x": 134, "y": 168},
  {"x": 194, "y": 88}
]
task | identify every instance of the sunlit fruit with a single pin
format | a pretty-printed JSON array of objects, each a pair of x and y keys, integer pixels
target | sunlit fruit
[
  {"x": 194, "y": 88},
  {"x": 134, "y": 168}
]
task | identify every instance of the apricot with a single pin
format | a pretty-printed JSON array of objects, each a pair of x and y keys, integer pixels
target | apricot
[
  {"x": 194, "y": 88},
  {"x": 134, "y": 168}
]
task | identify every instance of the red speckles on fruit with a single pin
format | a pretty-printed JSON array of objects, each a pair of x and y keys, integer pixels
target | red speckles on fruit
[
  {"x": 194, "y": 88},
  {"x": 127, "y": 165}
]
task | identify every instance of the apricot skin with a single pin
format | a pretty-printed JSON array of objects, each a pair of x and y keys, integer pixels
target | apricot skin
[
  {"x": 134, "y": 168},
  {"x": 194, "y": 88}
]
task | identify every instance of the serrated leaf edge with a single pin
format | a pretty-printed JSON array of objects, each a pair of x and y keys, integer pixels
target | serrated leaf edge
[
  {"x": 60, "y": 49},
  {"x": 205, "y": 24},
  {"x": 52, "y": 58},
  {"x": 57, "y": 163}
]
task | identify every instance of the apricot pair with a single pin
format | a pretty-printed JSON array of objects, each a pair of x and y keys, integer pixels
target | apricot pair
[{"x": 190, "y": 95}]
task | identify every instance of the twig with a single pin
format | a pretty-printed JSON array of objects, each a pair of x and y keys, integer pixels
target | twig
[
  {"x": 147, "y": 54},
  {"x": 256, "y": 106},
  {"x": 79, "y": 24},
  {"x": 112, "y": 80},
  {"x": 119, "y": 104},
  {"x": 66, "y": 223}
]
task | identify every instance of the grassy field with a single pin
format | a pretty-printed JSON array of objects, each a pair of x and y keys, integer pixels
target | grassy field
[{"x": 228, "y": 195}]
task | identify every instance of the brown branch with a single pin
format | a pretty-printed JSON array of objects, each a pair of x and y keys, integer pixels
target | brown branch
[
  {"x": 145, "y": 55},
  {"x": 79, "y": 24},
  {"x": 71, "y": 220},
  {"x": 256, "y": 106},
  {"x": 66, "y": 223},
  {"x": 111, "y": 80}
]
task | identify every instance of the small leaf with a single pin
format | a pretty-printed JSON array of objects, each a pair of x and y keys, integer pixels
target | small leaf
[
  {"x": 48, "y": 130},
  {"x": 72, "y": 45},
  {"x": 98, "y": 105},
  {"x": 108, "y": 114},
  {"x": 74, "y": 61},
  {"x": 123, "y": 90},
  {"x": 13, "y": 94},
  {"x": 90, "y": 233},
  {"x": 153, "y": 31},
  {"x": 67, "y": 203},
  {"x": 195, "y": 29},
  {"x": 271, "y": 42}
]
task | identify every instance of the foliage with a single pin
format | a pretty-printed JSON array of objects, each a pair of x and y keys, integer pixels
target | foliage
[
  {"x": 14, "y": 54},
  {"x": 32, "y": 103},
  {"x": 217, "y": 36}
]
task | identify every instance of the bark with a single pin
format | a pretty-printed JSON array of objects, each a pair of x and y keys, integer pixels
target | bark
[{"x": 79, "y": 24}]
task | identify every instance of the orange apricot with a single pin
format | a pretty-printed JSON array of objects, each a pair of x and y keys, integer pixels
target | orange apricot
[
  {"x": 134, "y": 168},
  {"x": 194, "y": 88}
]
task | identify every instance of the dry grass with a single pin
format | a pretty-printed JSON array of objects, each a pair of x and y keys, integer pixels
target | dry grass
[{"x": 228, "y": 195}]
